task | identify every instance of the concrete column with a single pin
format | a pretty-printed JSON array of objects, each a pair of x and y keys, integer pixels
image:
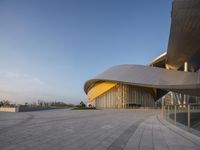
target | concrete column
[
  {"x": 172, "y": 98},
  {"x": 185, "y": 96},
  {"x": 186, "y": 66},
  {"x": 188, "y": 111},
  {"x": 167, "y": 111},
  {"x": 163, "y": 100},
  {"x": 178, "y": 98},
  {"x": 162, "y": 105},
  {"x": 175, "y": 114}
]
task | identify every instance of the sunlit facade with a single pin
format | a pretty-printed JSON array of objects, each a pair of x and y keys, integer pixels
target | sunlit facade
[{"x": 121, "y": 96}]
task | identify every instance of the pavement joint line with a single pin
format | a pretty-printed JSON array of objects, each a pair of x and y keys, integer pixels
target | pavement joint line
[
  {"x": 26, "y": 120},
  {"x": 152, "y": 135},
  {"x": 139, "y": 145},
  {"x": 161, "y": 132},
  {"x": 185, "y": 137},
  {"x": 98, "y": 130},
  {"x": 123, "y": 139}
]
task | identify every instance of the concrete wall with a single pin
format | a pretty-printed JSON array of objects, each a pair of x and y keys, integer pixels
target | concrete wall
[
  {"x": 9, "y": 109},
  {"x": 23, "y": 109}
]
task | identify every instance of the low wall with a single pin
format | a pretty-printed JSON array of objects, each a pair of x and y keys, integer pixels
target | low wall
[
  {"x": 9, "y": 109},
  {"x": 27, "y": 108},
  {"x": 23, "y": 109}
]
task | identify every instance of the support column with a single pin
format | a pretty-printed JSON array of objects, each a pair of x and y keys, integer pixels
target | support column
[
  {"x": 175, "y": 114},
  {"x": 185, "y": 96},
  {"x": 186, "y": 66},
  {"x": 188, "y": 118},
  {"x": 172, "y": 98},
  {"x": 162, "y": 105}
]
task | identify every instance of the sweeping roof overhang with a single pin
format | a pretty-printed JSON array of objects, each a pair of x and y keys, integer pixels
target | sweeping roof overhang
[
  {"x": 184, "y": 39},
  {"x": 152, "y": 77}
]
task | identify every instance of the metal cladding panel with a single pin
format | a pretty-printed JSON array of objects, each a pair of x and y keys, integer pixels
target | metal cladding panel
[
  {"x": 153, "y": 77},
  {"x": 184, "y": 39},
  {"x": 159, "y": 61},
  {"x": 99, "y": 89}
]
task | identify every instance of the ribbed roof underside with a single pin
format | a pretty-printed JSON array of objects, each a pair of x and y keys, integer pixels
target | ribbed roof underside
[{"x": 184, "y": 39}]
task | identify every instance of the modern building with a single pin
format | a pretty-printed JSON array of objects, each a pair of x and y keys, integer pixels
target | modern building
[{"x": 129, "y": 86}]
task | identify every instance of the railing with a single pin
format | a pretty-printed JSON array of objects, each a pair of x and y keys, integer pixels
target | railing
[{"x": 188, "y": 115}]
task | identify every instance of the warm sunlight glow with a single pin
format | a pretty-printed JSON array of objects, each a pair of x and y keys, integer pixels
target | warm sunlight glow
[{"x": 99, "y": 89}]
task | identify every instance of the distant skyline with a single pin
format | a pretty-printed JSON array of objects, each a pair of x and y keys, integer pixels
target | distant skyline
[{"x": 49, "y": 48}]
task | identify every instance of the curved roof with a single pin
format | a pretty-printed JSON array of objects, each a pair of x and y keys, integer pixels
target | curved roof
[
  {"x": 183, "y": 47},
  {"x": 159, "y": 61},
  {"x": 184, "y": 35},
  {"x": 152, "y": 77}
]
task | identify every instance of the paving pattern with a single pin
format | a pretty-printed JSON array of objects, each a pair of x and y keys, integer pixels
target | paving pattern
[{"x": 92, "y": 130}]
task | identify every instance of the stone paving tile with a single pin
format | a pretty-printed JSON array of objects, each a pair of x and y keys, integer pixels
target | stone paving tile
[{"x": 89, "y": 130}]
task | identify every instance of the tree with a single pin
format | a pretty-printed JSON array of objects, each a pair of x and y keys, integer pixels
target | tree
[
  {"x": 4, "y": 103},
  {"x": 82, "y": 104},
  {"x": 1, "y": 103}
]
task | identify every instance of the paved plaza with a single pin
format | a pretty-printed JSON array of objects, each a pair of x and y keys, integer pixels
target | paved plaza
[{"x": 92, "y": 130}]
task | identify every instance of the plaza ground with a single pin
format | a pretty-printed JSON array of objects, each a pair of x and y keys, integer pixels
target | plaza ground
[{"x": 66, "y": 129}]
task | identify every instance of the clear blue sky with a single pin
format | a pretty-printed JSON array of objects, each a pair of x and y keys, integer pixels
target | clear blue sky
[{"x": 49, "y": 48}]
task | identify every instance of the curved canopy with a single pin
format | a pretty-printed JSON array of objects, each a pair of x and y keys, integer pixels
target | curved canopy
[
  {"x": 184, "y": 36},
  {"x": 152, "y": 77}
]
